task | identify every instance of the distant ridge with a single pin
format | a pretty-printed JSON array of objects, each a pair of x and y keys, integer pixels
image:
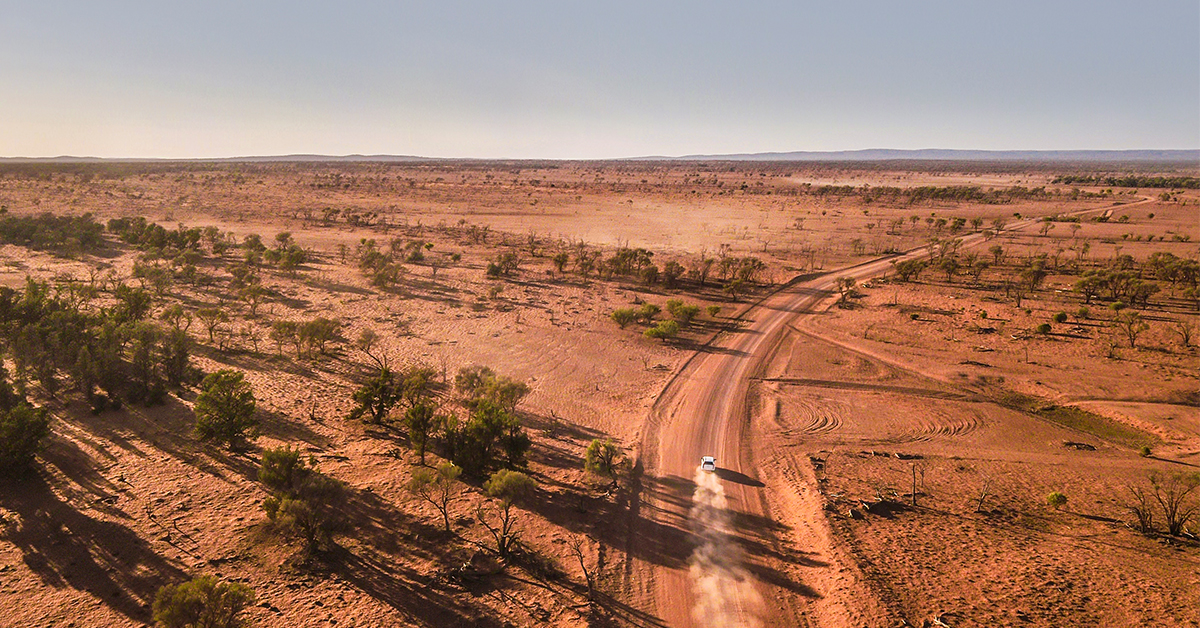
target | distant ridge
[
  {"x": 69, "y": 159},
  {"x": 942, "y": 154}
]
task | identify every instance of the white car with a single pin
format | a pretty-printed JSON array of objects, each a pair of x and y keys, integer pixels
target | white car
[{"x": 708, "y": 463}]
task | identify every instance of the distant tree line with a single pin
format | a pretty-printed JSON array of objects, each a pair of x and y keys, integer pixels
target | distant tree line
[
  {"x": 951, "y": 193},
  {"x": 1130, "y": 181},
  {"x": 62, "y": 235}
]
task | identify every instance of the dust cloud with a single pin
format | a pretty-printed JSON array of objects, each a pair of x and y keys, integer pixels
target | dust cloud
[{"x": 725, "y": 595}]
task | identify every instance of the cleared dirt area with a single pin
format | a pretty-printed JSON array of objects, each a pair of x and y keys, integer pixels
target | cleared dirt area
[{"x": 826, "y": 402}]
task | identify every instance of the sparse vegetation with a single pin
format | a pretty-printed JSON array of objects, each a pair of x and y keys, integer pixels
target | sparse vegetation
[
  {"x": 203, "y": 602},
  {"x": 303, "y": 500},
  {"x": 131, "y": 317}
]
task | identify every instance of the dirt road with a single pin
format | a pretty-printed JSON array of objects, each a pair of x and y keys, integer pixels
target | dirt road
[{"x": 729, "y": 573}]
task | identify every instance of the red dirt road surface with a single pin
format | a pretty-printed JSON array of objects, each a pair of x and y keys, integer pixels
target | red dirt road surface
[{"x": 732, "y": 577}]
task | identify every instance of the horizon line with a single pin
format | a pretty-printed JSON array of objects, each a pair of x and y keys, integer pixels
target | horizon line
[{"x": 867, "y": 154}]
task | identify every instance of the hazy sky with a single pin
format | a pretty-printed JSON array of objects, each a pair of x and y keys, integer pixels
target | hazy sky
[{"x": 570, "y": 79}]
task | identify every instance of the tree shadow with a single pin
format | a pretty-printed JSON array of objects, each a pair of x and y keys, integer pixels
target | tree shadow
[
  {"x": 331, "y": 285},
  {"x": 687, "y": 344},
  {"x": 420, "y": 599},
  {"x": 280, "y": 426},
  {"x": 66, "y": 548},
  {"x": 625, "y": 614},
  {"x": 78, "y": 466},
  {"x": 380, "y": 532},
  {"x": 166, "y": 427}
]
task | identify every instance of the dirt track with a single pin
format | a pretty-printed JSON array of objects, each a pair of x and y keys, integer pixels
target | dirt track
[{"x": 703, "y": 411}]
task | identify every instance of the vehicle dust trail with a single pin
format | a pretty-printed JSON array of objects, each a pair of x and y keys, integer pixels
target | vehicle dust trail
[{"x": 725, "y": 595}]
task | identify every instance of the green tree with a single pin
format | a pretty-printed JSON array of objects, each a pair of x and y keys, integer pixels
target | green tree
[
  {"x": 909, "y": 269},
  {"x": 282, "y": 470},
  {"x": 225, "y": 407},
  {"x": 479, "y": 383},
  {"x": 133, "y": 304},
  {"x": 318, "y": 333},
  {"x": 416, "y": 384},
  {"x": 22, "y": 430},
  {"x": 560, "y": 262},
  {"x": 671, "y": 273},
  {"x": 977, "y": 269},
  {"x": 438, "y": 487},
  {"x": 997, "y": 252},
  {"x": 508, "y": 487},
  {"x": 604, "y": 458},
  {"x": 665, "y": 330},
  {"x": 682, "y": 313},
  {"x": 648, "y": 312},
  {"x": 284, "y": 332},
  {"x": 624, "y": 316},
  {"x": 212, "y": 318},
  {"x": 420, "y": 421},
  {"x": 253, "y": 295},
  {"x": 203, "y": 602},
  {"x": 376, "y": 397},
  {"x": 177, "y": 317},
  {"x": 1131, "y": 324},
  {"x": 145, "y": 383},
  {"x": 949, "y": 266}
]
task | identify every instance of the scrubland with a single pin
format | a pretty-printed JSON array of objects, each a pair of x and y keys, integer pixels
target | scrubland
[{"x": 415, "y": 394}]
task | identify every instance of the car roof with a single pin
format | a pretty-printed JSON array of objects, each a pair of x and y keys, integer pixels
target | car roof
[{"x": 707, "y": 458}]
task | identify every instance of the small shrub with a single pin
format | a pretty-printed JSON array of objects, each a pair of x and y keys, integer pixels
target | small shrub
[
  {"x": 303, "y": 499},
  {"x": 1056, "y": 500},
  {"x": 713, "y": 310},
  {"x": 682, "y": 313},
  {"x": 509, "y": 486},
  {"x": 665, "y": 330},
  {"x": 1145, "y": 451},
  {"x": 624, "y": 316},
  {"x": 1043, "y": 329},
  {"x": 1060, "y": 318},
  {"x": 202, "y": 602}
]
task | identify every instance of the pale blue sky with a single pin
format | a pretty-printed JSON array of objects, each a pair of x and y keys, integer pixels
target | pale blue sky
[{"x": 568, "y": 79}]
